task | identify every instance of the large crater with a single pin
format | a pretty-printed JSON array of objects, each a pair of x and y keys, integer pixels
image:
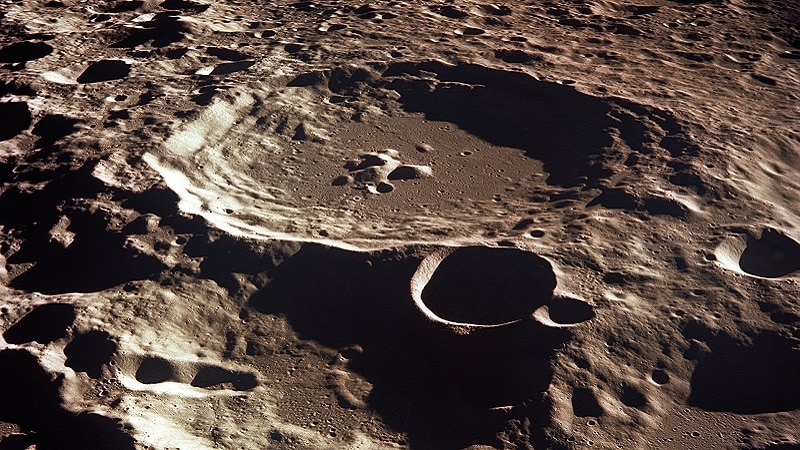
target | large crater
[{"x": 418, "y": 153}]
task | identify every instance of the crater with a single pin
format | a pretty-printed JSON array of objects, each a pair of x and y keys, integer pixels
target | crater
[
  {"x": 482, "y": 286},
  {"x": 210, "y": 376},
  {"x": 105, "y": 70},
  {"x": 89, "y": 352},
  {"x": 771, "y": 254},
  {"x": 748, "y": 377},
  {"x": 44, "y": 324},
  {"x": 509, "y": 128},
  {"x": 154, "y": 370},
  {"x": 550, "y": 122},
  {"x": 17, "y": 118}
]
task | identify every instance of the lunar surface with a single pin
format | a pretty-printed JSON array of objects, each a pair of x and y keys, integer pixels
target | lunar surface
[{"x": 399, "y": 224}]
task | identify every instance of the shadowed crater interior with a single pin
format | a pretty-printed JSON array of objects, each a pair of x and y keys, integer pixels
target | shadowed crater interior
[
  {"x": 30, "y": 398},
  {"x": 210, "y": 376},
  {"x": 16, "y": 119},
  {"x": 748, "y": 378},
  {"x": 88, "y": 352},
  {"x": 24, "y": 51},
  {"x": 44, "y": 324},
  {"x": 565, "y": 129},
  {"x": 488, "y": 286},
  {"x": 154, "y": 370},
  {"x": 105, "y": 70},
  {"x": 772, "y": 255}
]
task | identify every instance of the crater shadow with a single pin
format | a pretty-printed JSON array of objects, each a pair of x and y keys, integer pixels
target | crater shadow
[
  {"x": 567, "y": 130},
  {"x": 30, "y": 398},
  {"x": 772, "y": 255},
  {"x": 154, "y": 370},
  {"x": 210, "y": 376},
  {"x": 748, "y": 378},
  {"x": 16, "y": 119},
  {"x": 89, "y": 352},
  {"x": 24, "y": 51},
  {"x": 105, "y": 70},
  {"x": 163, "y": 29},
  {"x": 488, "y": 286},
  {"x": 439, "y": 387},
  {"x": 44, "y": 324}
]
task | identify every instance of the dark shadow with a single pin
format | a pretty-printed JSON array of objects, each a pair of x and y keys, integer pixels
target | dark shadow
[
  {"x": 23, "y": 51},
  {"x": 620, "y": 198},
  {"x": 105, "y": 70},
  {"x": 164, "y": 29},
  {"x": 550, "y": 122},
  {"x": 97, "y": 259},
  {"x": 568, "y": 311},
  {"x": 126, "y": 6},
  {"x": 184, "y": 5},
  {"x": 210, "y": 376},
  {"x": 232, "y": 67},
  {"x": 89, "y": 352},
  {"x": 225, "y": 255},
  {"x": 437, "y": 386},
  {"x": 633, "y": 397},
  {"x": 227, "y": 54},
  {"x": 44, "y": 324},
  {"x": 487, "y": 286},
  {"x": 772, "y": 255},
  {"x": 16, "y": 119},
  {"x": 154, "y": 370},
  {"x": 748, "y": 378},
  {"x": 52, "y": 128},
  {"x": 30, "y": 399},
  {"x": 584, "y": 403}
]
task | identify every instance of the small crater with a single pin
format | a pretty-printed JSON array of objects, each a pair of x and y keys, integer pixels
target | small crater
[
  {"x": 228, "y": 68},
  {"x": 409, "y": 172},
  {"x": 16, "y": 119},
  {"x": 154, "y": 370},
  {"x": 625, "y": 29},
  {"x": 470, "y": 31},
  {"x": 568, "y": 311},
  {"x": 514, "y": 56},
  {"x": 770, "y": 255},
  {"x": 619, "y": 198},
  {"x": 449, "y": 11},
  {"x": 764, "y": 79},
  {"x": 44, "y": 324},
  {"x": 126, "y": 6},
  {"x": 184, "y": 5},
  {"x": 227, "y": 54},
  {"x": 342, "y": 180},
  {"x": 307, "y": 79},
  {"x": 659, "y": 377},
  {"x": 384, "y": 188}
]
